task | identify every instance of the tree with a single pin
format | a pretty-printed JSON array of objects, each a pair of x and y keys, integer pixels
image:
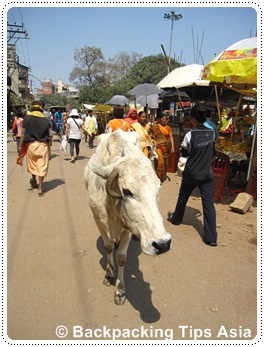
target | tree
[
  {"x": 92, "y": 95},
  {"x": 54, "y": 100},
  {"x": 89, "y": 67},
  {"x": 150, "y": 69},
  {"x": 98, "y": 80},
  {"x": 120, "y": 64}
]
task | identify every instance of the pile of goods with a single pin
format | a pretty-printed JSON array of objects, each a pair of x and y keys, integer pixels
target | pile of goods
[{"x": 222, "y": 145}]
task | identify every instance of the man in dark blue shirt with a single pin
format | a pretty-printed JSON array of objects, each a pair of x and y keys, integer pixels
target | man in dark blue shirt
[{"x": 198, "y": 146}]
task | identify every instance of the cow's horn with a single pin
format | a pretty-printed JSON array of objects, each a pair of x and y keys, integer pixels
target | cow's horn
[{"x": 112, "y": 186}]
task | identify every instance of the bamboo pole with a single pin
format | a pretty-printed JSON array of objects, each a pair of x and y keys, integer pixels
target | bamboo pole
[
  {"x": 252, "y": 154},
  {"x": 238, "y": 108},
  {"x": 217, "y": 104},
  {"x": 180, "y": 101}
]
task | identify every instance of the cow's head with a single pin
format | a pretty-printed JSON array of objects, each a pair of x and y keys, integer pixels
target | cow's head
[{"x": 134, "y": 186}]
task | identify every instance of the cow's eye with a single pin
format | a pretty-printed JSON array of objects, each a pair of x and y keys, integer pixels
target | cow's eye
[{"x": 127, "y": 193}]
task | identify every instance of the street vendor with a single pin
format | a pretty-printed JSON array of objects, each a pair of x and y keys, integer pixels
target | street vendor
[{"x": 210, "y": 124}]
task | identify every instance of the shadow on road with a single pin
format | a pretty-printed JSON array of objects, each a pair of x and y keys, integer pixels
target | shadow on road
[
  {"x": 191, "y": 217},
  {"x": 53, "y": 156},
  {"x": 138, "y": 292},
  {"x": 49, "y": 185},
  {"x": 80, "y": 158}
]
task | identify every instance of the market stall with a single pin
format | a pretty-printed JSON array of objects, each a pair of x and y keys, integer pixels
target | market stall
[
  {"x": 103, "y": 113},
  {"x": 236, "y": 68}
]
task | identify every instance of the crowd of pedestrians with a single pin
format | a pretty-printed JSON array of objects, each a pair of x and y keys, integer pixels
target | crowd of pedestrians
[{"x": 34, "y": 132}]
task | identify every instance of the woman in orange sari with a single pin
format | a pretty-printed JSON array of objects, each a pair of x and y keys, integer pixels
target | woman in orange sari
[{"x": 165, "y": 145}]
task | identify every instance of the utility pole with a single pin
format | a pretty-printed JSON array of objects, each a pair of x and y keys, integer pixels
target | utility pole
[
  {"x": 16, "y": 32},
  {"x": 31, "y": 82},
  {"x": 173, "y": 17}
]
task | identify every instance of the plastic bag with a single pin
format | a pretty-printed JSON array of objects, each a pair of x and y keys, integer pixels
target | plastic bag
[
  {"x": 181, "y": 166},
  {"x": 64, "y": 143}
]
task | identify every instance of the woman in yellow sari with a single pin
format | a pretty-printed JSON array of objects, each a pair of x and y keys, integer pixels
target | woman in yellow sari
[
  {"x": 164, "y": 145},
  {"x": 142, "y": 128}
]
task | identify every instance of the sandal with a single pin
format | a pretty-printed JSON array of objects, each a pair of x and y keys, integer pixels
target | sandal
[
  {"x": 169, "y": 215},
  {"x": 33, "y": 183},
  {"x": 40, "y": 194}
]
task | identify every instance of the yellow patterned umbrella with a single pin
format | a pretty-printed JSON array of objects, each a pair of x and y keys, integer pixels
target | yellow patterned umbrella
[{"x": 235, "y": 67}]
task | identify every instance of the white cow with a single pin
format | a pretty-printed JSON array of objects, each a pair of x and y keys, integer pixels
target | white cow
[{"x": 123, "y": 192}]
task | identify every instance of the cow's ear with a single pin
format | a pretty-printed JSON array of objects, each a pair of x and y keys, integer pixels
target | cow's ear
[{"x": 111, "y": 187}]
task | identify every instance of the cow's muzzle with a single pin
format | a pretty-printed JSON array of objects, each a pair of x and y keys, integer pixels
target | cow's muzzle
[{"x": 161, "y": 247}]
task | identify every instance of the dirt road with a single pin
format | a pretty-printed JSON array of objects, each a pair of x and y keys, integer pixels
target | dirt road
[{"x": 55, "y": 267}]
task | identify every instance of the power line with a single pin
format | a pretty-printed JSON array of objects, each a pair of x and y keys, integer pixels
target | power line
[
  {"x": 35, "y": 77},
  {"x": 16, "y": 32}
]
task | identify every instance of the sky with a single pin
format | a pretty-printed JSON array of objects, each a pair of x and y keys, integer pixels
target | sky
[{"x": 56, "y": 32}]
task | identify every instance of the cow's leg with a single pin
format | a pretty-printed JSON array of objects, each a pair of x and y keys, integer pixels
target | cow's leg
[
  {"x": 121, "y": 257},
  {"x": 109, "y": 279}
]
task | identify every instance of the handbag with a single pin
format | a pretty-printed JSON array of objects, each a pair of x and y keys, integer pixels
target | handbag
[
  {"x": 64, "y": 142},
  {"x": 181, "y": 166}
]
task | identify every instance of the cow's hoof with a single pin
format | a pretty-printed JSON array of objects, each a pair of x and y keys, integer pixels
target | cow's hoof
[
  {"x": 109, "y": 281},
  {"x": 120, "y": 298}
]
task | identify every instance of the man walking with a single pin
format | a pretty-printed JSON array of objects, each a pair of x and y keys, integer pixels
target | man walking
[
  {"x": 91, "y": 126},
  {"x": 37, "y": 137}
]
